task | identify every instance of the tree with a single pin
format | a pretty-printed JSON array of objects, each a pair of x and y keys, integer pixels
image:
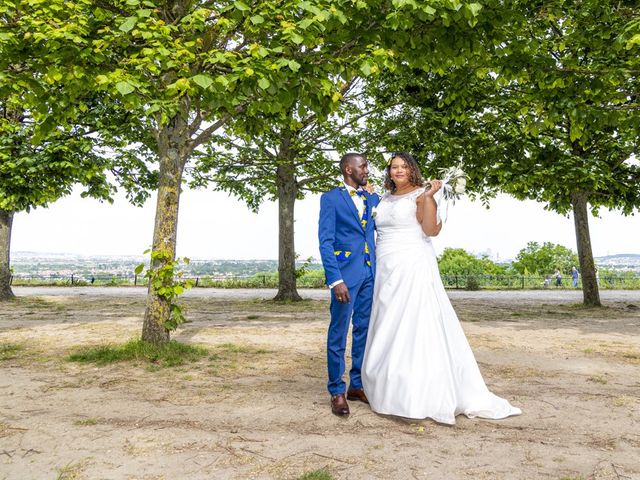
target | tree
[
  {"x": 40, "y": 163},
  {"x": 180, "y": 71},
  {"x": 551, "y": 114},
  {"x": 582, "y": 119},
  {"x": 544, "y": 259},
  {"x": 285, "y": 154},
  {"x": 282, "y": 160},
  {"x": 34, "y": 175},
  {"x": 457, "y": 261},
  {"x": 183, "y": 69}
]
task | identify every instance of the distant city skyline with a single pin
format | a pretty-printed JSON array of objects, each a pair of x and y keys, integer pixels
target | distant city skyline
[{"x": 213, "y": 225}]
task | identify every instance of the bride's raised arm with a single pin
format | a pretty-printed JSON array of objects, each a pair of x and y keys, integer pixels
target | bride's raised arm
[{"x": 427, "y": 209}]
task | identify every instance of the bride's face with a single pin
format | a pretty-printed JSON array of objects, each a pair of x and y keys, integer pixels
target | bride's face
[{"x": 399, "y": 172}]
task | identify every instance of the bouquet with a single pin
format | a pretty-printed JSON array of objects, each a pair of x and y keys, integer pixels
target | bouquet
[{"x": 454, "y": 184}]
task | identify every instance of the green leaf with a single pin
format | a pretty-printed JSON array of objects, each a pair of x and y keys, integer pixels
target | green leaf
[
  {"x": 257, "y": 19},
  {"x": 304, "y": 24},
  {"x": 125, "y": 88},
  {"x": 297, "y": 39},
  {"x": 241, "y": 6},
  {"x": 474, "y": 8},
  {"x": 128, "y": 24},
  {"x": 202, "y": 80},
  {"x": 635, "y": 40},
  {"x": 264, "y": 83},
  {"x": 293, "y": 65}
]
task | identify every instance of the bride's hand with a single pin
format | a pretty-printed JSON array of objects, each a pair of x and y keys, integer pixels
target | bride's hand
[
  {"x": 370, "y": 188},
  {"x": 434, "y": 186}
]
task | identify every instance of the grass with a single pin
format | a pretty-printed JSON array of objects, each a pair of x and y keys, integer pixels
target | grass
[
  {"x": 9, "y": 351},
  {"x": 317, "y": 475},
  {"x": 228, "y": 357},
  {"x": 86, "y": 423},
  {"x": 168, "y": 355},
  {"x": 71, "y": 471},
  {"x": 244, "y": 349},
  {"x": 597, "y": 379},
  {"x": 614, "y": 350}
]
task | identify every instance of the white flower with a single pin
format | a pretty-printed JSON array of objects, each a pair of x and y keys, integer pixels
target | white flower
[{"x": 454, "y": 185}]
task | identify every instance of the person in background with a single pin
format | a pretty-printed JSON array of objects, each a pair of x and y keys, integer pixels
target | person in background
[{"x": 574, "y": 276}]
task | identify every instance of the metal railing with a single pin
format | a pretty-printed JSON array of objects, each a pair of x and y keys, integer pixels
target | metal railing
[{"x": 465, "y": 282}]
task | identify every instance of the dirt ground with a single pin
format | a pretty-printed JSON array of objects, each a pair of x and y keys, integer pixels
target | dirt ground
[{"x": 256, "y": 406}]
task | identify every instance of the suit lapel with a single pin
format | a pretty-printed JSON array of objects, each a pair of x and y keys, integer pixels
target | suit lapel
[
  {"x": 350, "y": 204},
  {"x": 369, "y": 210}
]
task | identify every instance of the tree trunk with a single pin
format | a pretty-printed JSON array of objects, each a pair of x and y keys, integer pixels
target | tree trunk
[
  {"x": 287, "y": 191},
  {"x": 172, "y": 156},
  {"x": 590, "y": 291},
  {"x": 6, "y": 220}
]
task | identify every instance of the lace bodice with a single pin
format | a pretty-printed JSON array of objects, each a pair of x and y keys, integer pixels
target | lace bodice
[{"x": 396, "y": 216}]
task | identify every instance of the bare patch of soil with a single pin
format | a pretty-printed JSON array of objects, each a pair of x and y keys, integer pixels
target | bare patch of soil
[{"x": 257, "y": 407}]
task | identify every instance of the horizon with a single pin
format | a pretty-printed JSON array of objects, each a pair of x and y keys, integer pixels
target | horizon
[
  {"x": 192, "y": 259},
  {"x": 216, "y": 226}
]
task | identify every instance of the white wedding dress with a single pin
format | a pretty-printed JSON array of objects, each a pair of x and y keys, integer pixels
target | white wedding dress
[{"x": 417, "y": 361}]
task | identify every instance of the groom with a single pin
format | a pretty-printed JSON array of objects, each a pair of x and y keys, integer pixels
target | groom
[{"x": 347, "y": 249}]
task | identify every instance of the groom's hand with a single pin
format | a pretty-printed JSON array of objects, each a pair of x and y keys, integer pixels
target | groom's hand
[{"x": 342, "y": 293}]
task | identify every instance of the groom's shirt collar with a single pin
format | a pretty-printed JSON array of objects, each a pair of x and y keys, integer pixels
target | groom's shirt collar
[
  {"x": 350, "y": 188},
  {"x": 357, "y": 200}
]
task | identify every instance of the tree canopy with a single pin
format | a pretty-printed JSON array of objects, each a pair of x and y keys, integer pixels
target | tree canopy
[
  {"x": 544, "y": 259},
  {"x": 457, "y": 261},
  {"x": 550, "y": 113}
]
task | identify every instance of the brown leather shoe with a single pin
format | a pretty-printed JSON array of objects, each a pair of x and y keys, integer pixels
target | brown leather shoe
[
  {"x": 357, "y": 394},
  {"x": 339, "y": 405}
]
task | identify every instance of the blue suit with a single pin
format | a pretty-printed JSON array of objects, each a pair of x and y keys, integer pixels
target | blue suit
[{"x": 344, "y": 242}]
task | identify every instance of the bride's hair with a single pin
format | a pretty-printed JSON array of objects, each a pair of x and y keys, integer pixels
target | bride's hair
[{"x": 415, "y": 177}]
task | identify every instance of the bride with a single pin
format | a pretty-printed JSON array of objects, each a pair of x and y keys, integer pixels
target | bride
[{"x": 417, "y": 361}]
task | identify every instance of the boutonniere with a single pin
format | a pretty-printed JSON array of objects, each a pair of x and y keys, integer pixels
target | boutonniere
[{"x": 374, "y": 212}]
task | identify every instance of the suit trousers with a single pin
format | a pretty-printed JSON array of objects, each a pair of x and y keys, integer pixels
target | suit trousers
[{"x": 357, "y": 312}]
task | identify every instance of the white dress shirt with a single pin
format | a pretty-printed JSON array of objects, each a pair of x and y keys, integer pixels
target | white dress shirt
[{"x": 356, "y": 199}]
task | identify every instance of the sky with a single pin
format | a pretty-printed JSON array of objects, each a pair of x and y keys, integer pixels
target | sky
[{"x": 213, "y": 225}]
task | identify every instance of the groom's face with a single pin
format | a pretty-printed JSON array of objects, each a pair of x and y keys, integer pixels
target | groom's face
[{"x": 358, "y": 171}]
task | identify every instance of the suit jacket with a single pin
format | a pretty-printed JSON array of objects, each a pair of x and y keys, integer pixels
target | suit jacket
[{"x": 343, "y": 238}]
